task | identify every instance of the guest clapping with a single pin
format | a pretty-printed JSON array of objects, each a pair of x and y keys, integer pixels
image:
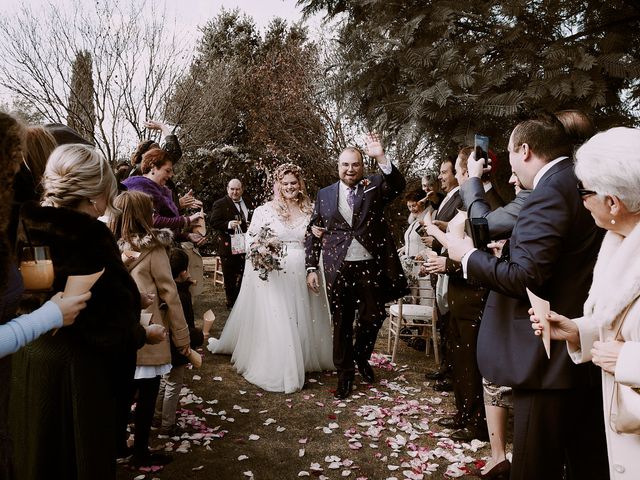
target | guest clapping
[{"x": 157, "y": 170}]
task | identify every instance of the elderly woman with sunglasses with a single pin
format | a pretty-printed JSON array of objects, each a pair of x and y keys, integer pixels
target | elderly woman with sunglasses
[{"x": 608, "y": 334}]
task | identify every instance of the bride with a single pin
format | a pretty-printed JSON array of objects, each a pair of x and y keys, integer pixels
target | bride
[{"x": 278, "y": 329}]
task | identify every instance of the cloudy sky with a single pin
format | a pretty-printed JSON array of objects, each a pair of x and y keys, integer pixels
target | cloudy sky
[{"x": 191, "y": 13}]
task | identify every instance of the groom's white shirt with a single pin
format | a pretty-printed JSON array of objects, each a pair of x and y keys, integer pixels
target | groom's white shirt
[{"x": 356, "y": 252}]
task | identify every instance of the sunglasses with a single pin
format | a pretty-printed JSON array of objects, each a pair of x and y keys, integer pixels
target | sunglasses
[{"x": 583, "y": 192}]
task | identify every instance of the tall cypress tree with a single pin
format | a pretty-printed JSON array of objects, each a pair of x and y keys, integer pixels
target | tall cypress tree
[{"x": 81, "y": 110}]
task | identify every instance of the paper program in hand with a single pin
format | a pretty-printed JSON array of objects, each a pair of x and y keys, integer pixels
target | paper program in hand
[
  {"x": 79, "y": 284},
  {"x": 541, "y": 308}
]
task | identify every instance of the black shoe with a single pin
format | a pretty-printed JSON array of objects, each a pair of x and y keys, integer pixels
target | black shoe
[
  {"x": 443, "y": 386},
  {"x": 434, "y": 375},
  {"x": 466, "y": 435},
  {"x": 150, "y": 459},
  {"x": 450, "y": 422},
  {"x": 344, "y": 389},
  {"x": 366, "y": 372},
  {"x": 500, "y": 471}
]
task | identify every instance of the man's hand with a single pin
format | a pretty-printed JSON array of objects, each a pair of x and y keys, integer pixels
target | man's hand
[
  {"x": 70, "y": 306},
  {"x": 457, "y": 246},
  {"x": 312, "y": 282},
  {"x": 605, "y": 355},
  {"x": 476, "y": 168},
  {"x": 496, "y": 247},
  {"x": 374, "y": 149},
  {"x": 233, "y": 224},
  {"x": 146, "y": 299},
  {"x": 435, "y": 264}
]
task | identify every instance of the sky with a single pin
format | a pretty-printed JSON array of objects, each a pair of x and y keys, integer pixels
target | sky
[{"x": 187, "y": 14}]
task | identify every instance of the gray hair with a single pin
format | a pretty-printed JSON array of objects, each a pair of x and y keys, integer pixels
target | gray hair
[
  {"x": 609, "y": 163},
  {"x": 74, "y": 173}
]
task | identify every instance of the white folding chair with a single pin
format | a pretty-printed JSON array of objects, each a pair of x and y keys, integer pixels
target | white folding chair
[{"x": 419, "y": 319}]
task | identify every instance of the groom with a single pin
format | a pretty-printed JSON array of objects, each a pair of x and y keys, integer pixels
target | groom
[{"x": 361, "y": 266}]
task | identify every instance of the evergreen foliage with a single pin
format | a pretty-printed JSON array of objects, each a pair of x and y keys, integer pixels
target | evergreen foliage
[
  {"x": 454, "y": 68},
  {"x": 82, "y": 112}
]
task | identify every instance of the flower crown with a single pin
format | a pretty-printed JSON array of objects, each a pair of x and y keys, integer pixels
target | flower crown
[{"x": 285, "y": 168}]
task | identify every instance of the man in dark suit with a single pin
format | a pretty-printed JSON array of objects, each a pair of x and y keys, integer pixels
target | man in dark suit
[
  {"x": 228, "y": 215},
  {"x": 447, "y": 209},
  {"x": 558, "y": 418},
  {"x": 361, "y": 265}
]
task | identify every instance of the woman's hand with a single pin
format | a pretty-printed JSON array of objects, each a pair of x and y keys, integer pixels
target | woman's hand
[
  {"x": 70, "y": 306},
  {"x": 155, "y": 333},
  {"x": 154, "y": 125},
  {"x": 146, "y": 299},
  {"x": 317, "y": 231},
  {"x": 441, "y": 225},
  {"x": 313, "y": 283},
  {"x": 195, "y": 217},
  {"x": 196, "y": 239},
  {"x": 605, "y": 355},
  {"x": 560, "y": 327},
  {"x": 428, "y": 241},
  {"x": 189, "y": 201}
]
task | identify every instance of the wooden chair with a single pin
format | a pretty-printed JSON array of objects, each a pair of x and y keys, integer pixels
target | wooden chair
[
  {"x": 214, "y": 264},
  {"x": 419, "y": 318},
  {"x": 217, "y": 272}
]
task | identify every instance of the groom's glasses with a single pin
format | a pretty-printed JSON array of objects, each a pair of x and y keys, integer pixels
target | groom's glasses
[{"x": 583, "y": 192}]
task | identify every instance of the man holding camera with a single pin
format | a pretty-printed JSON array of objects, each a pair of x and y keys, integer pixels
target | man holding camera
[{"x": 557, "y": 405}]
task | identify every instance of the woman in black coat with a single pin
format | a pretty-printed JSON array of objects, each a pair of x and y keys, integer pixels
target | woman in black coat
[{"x": 70, "y": 388}]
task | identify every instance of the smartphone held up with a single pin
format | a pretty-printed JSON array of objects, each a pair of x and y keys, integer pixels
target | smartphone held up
[{"x": 481, "y": 147}]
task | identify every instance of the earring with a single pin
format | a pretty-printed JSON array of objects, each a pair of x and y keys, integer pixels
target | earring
[{"x": 613, "y": 221}]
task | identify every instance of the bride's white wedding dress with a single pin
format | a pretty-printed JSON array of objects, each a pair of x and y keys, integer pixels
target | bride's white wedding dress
[{"x": 278, "y": 329}]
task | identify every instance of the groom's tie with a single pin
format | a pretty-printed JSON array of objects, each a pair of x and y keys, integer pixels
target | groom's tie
[{"x": 351, "y": 196}]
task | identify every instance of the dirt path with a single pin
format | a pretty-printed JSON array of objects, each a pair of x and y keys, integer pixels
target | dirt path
[{"x": 233, "y": 430}]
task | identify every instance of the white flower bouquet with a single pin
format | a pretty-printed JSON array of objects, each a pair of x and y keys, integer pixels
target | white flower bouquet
[{"x": 266, "y": 252}]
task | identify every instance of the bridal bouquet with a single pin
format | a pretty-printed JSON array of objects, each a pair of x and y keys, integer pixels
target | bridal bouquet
[{"x": 266, "y": 252}]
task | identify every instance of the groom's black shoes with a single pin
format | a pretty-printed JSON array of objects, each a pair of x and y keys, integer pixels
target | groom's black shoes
[
  {"x": 344, "y": 389},
  {"x": 366, "y": 372}
]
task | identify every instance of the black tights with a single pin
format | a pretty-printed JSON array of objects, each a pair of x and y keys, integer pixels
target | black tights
[{"x": 145, "y": 406}]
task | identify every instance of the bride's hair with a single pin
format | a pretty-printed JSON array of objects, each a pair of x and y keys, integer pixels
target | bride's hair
[{"x": 303, "y": 200}]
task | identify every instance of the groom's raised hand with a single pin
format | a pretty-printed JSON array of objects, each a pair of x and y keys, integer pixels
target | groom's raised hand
[
  {"x": 374, "y": 149},
  {"x": 312, "y": 282}
]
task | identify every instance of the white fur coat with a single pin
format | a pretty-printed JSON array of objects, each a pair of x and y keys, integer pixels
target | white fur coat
[{"x": 616, "y": 283}]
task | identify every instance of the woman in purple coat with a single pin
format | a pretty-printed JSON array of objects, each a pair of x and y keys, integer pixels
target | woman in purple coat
[{"x": 157, "y": 170}]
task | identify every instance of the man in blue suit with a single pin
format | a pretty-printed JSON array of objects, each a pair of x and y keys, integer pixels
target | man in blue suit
[
  {"x": 558, "y": 420},
  {"x": 361, "y": 265}
]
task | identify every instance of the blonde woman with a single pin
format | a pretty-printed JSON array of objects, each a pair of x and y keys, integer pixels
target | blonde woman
[
  {"x": 277, "y": 329},
  {"x": 67, "y": 387},
  {"x": 145, "y": 251}
]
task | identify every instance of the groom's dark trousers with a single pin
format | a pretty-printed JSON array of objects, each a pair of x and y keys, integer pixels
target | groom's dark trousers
[{"x": 356, "y": 288}]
